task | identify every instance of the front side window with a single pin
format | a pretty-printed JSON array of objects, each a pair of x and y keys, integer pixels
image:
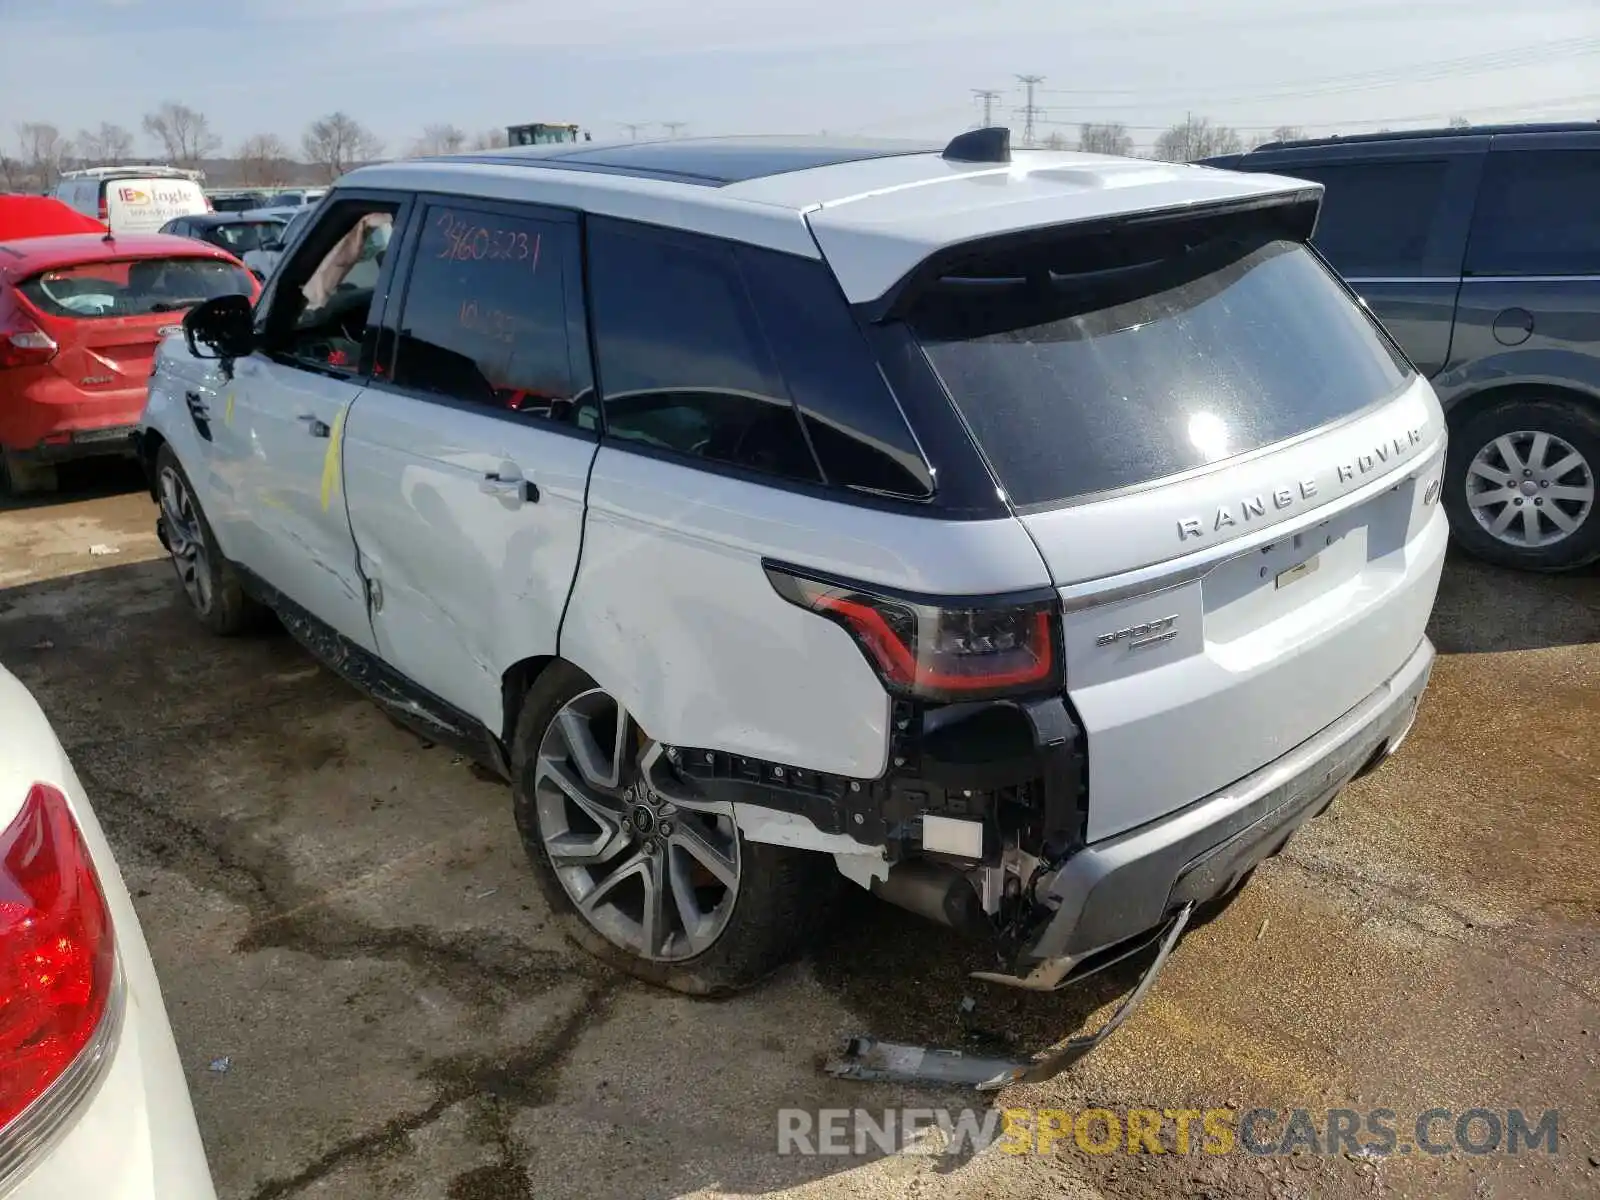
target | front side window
[
  {"x": 489, "y": 315},
  {"x": 1538, "y": 214},
  {"x": 1376, "y": 217},
  {"x": 681, "y": 353},
  {"x": 1120, "y": 367},
  {"x": 134, "y": 287},
  {"x": 323, "y": 305}
]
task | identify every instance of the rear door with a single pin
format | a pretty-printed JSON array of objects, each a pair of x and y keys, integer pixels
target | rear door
[
  {"x": 467, "y": 460},
  {"x": 1534, "y": 262},
  {"x": 1394, "y": 223},
  {"x": 1232, "y": 477}
]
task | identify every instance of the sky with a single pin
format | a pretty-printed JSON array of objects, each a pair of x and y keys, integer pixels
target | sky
[{"x": 901, "y": 68}]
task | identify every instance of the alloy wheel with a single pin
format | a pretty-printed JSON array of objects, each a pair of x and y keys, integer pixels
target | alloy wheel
[
  {"x": 1530, "y": 489},
  {"x": 185, "y": 539},
  {"x": 656, "y": 874}
]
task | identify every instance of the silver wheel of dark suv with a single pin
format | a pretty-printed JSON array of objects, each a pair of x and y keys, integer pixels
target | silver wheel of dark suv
[{"x": 1521, "y": 484}]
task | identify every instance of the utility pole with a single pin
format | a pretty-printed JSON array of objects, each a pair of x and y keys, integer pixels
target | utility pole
[
  {"x": 988, "y": 97},
  {"x": 1030, "y": 111},
  {"x": 633, "y": 129},
  {"x": 672, "y": 127}
]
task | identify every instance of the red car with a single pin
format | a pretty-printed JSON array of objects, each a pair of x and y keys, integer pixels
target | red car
[{"x": 80, "y": 317}]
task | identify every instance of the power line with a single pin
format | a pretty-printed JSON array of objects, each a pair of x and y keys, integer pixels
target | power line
[
  {"x": 1499, "y": 60},
  {"x": 1030, "y": 110},
  {"x": 988, "y": 97}
]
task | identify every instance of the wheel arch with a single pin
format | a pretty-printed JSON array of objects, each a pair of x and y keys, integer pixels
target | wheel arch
[
  {"x": 1471, "y": 404},
  {"x": 515, "y": 683},
  {"x": 147, "y": 445}
]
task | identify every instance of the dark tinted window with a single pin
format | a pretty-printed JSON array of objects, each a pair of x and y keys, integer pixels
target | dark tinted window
[
  {"x": 487, "y": 313},
  {"x": 856, "y": 428},
  {"x": 682, "y": 357},
  {"x": 1538, "y": 214},
  {"x": 1376, "y": 217},
  {"x": 239, "y": 237},
  {"x": 1080, "y": 383}
]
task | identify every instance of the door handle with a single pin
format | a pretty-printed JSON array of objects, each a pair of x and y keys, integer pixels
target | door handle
[
  {"x": 506, "y": 486},
  {"x": 315, "y": 426}
]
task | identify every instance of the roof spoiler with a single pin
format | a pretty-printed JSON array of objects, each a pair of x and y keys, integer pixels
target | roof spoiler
[
  {"x": 989, "y": 145},
  {"x": 1290, "y": 213}
]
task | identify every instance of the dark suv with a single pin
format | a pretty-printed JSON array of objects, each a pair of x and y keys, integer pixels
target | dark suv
[{"x": 1479, "y": 248}]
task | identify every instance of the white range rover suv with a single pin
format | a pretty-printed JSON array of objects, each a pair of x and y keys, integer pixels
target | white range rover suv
[{"x": 1036, "y": 540}]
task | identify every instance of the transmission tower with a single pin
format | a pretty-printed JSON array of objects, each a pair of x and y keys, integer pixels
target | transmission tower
[
  {"x": 988, "y": 97},
  {"x": 1030, "y": 111},
  {"x": 633, "y": 129},
  {"x": 672, "y": 127}
]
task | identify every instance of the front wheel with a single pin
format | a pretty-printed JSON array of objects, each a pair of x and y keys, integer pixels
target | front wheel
[
  {"x": 1520, "y": 484},
  {"x": 208, "y": 580},
  {"x": 648, "y": 878}
]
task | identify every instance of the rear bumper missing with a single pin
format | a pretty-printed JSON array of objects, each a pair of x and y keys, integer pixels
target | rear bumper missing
[{"x": 1125, "y": 887}]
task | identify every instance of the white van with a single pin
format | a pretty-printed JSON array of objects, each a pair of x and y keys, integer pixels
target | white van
[{"x": 133, "y": 199}]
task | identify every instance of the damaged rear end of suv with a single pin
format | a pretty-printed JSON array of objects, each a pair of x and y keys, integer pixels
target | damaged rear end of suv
[{"x": 1230, "y": 476}]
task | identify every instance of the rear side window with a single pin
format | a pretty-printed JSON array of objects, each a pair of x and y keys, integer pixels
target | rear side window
[
  {"x": 488, "y": 315},
  {"x": 1078, "y": 383},
  {"x": 855, "y": 425},
  {"x": 1376, "y": 217},
  {"x": 682, "y": 357},
  {"x": 133, "y": 288},
  {"x": 1538, "y": 214}
]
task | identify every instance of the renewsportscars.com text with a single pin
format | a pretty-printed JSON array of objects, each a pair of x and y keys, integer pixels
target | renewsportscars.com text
[{"x": 1376, "y": 1132}]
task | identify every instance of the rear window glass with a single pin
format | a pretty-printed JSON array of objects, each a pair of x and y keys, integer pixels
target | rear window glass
[
  {"x": 1074, "y": 384},
  {"x": 132, "y": 288},
  {"x": 240, "y": 236},
  {"x": 1536, "y": 214}
]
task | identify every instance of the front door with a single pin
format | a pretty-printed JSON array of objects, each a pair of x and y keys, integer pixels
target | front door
[
  {"x": 289, "y": 404},
  {"x": 467, "y": 463}
]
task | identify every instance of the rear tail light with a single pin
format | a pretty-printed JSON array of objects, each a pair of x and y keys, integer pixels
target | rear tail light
[
  {"x": 105, "y": 210},
  {"x": 26, "y": 348},
  {"x": 968, "y": 649},
  {"x": 57, "y": 950}
]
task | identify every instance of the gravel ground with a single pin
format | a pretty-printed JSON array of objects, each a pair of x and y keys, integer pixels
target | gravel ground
[{"x": 344, "y": 914}]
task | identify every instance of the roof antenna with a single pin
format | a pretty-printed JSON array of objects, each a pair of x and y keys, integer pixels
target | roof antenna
[{"x": 990, "y": 145}]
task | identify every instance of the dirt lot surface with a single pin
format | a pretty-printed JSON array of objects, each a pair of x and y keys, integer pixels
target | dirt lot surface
[{"x": 344, "y": 914}]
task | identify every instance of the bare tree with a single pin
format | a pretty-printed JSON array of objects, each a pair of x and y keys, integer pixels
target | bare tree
[
  {"x": 439, "y": 139},
  {"x": 1054, "y": 141},
  {"x": 184, "y": 134},
  {"x": 337, "y": 142},
  {"x": 1195, "y": 138},
  {"x": 116, "y": 143},
  {"x": 263, "y": 159},
  {"x": 10, "y": 172},
  {"x": 490, "y": 139},
  {"x": 1106, "y": 139},
  {"x": 43, "y": 150},
  {"x": 1283, "y": 133},
  {"x": 1460, "y": 123}
]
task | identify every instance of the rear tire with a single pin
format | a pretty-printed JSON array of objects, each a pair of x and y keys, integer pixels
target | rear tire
[
  {"x": 624, "y": 840},
  {"x": 208, "y": 579},
  {"x": 20, "y": 477},
  {"x": 1517, "y": 476}
]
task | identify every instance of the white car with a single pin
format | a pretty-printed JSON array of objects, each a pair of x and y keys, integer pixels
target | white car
[
  {"x": 93, "y": 1101},
  {"x": 1037, "y": 540}
]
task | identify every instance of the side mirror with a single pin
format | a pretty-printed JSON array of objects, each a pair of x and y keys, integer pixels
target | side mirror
[{"x": 224, "y": 325}]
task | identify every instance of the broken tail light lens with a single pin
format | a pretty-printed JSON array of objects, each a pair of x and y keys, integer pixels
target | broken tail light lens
[
  {"x": 57, "y": 950},
  {"x": 27, "y": 347},
  {"x": 967, "y": 649}
]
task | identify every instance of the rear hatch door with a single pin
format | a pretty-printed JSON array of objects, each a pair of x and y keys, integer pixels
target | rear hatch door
[
  {"x": 108, "y": 317},
  {"x": 1230, "y": 472}
]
